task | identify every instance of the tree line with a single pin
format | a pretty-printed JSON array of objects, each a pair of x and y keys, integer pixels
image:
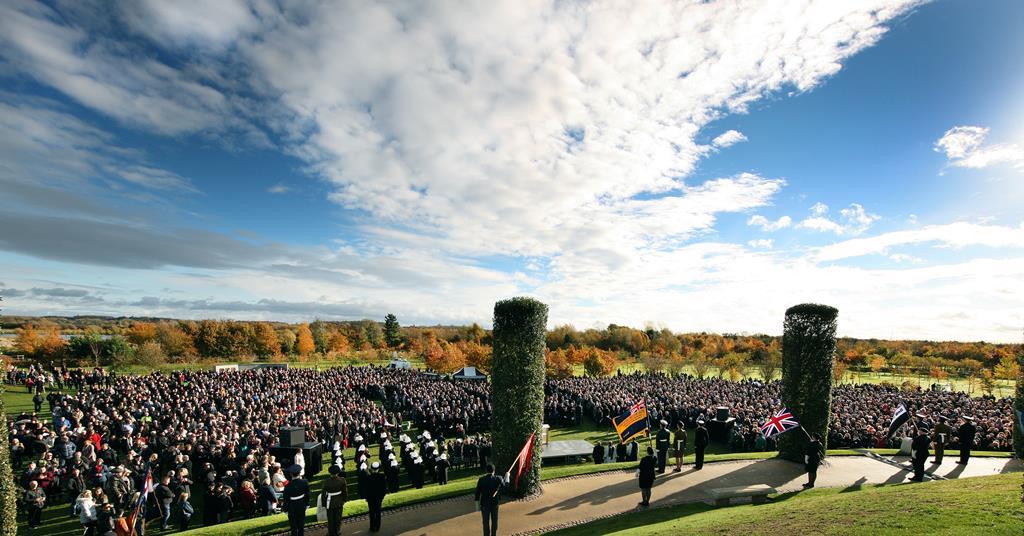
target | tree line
[{"x": 448, "y": 348}]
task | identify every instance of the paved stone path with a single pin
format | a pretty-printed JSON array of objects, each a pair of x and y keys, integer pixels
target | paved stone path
[{"x": 577, "y": 500}]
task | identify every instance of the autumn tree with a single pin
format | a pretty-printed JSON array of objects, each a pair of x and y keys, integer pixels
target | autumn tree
[
  {"x": 52, "y": 345},
  {"x": 767, "y": 362},
  {"x": 597, "y": 363},
  {"x": 176, "y": 343},
  {"x": 557, "y": 365},
  {"x": 266, "y": 341},
  {"x": 304, "y": 344},
  {"x": 28, "y": 339},
  {"x": 475, "y": 333},
  {"x": 340, "y": 343},
  {"x": 321, "y": 336},
  {"x": 1007, "y": 369},
  {"x": 287, "y": 339},
  {"x": 477, "y": 355},
  {"x": 150, "y": 354},
  {"x": 141, "y": 332},
  {"x": 392, "y": 331},
  {"x": 700, "y": 363}
]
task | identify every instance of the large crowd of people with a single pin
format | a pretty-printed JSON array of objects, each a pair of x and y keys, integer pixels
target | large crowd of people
[
  {"x": 860, "y": 413},
  {"x": 94, "y": 435}
]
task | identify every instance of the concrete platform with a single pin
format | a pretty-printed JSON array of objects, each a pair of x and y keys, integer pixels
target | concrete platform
[{"x": 575, "y": 448}]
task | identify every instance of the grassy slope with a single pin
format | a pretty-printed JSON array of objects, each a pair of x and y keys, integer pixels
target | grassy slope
[{"x": 985, "y": 505}]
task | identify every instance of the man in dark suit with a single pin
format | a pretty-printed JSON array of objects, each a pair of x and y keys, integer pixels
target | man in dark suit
[
  {"x": 620, "y": 452},
  {"x": 662, "y": 441},
  {"x": 646, "y": 474},
  {"x": 700, "y": 442},
  {"x": 598, "y": 453},
  {"x": 940, "y": 435},
  {"x": 966, "y": 434},
  {"x": 812, "y": 459},
  {"x": 376, "y": 489},
  {"x": 487, "y": 497},
  {"x": 296, "y": 500},
  {"x": 919, "y": 452},
  {"x": 335, "y": 494}
]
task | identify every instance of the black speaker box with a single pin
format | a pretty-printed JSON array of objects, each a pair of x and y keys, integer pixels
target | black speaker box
[
  {"x": 292, "y": 436},
  {"x": 721, "y": 413}
]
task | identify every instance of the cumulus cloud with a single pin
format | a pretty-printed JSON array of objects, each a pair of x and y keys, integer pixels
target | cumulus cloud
[
  {"x": 279, "y": 188},
  {"x": 853, "y": 220},
  {"x": 727, "y": 138},
  {"x": 964, "y": 147},
  {"x": 765, "y": 243},
  {"x": 768, "y": 225},
  {"x": 956, "y": 235}
]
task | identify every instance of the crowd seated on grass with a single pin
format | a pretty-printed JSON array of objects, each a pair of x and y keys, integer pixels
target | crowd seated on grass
[{"x": 211, "y": 433}]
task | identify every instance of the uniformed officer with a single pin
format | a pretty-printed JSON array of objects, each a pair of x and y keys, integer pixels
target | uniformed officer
[
  {"x": 662, "y": 442},
  {"x": 296, "y": 500},
  {"x": 966, "y": 435},
  {"x": 919, "y": 450},
  {"x": 335, "y": 494},
  {"x": 376, "y": 489},
  {"x": 700, "y": 442}
]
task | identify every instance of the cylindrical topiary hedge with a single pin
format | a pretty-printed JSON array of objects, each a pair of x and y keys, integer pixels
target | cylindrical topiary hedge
[
  {"x": 808, "y": 355},
  {"x": 1018, "y": 405},
  {"x": 517, "y": 384},
  {"x": 8, "y": 508}
]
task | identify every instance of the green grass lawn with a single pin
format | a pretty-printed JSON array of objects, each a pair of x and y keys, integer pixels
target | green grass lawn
[{"x": 983, "y": 505}]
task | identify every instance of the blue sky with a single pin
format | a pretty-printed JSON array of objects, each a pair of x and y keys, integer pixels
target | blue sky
[{"x": 700, "y": 166}]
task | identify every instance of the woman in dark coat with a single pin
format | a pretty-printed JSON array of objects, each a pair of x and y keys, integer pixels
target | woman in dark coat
[{"x": 646, "y": 474}]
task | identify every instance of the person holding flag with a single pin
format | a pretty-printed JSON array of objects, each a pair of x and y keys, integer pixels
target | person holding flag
[
  {"x": 487, "y": 497},
  {"x": 784, "y": 421},
  {"x": 812, "y": 459}
]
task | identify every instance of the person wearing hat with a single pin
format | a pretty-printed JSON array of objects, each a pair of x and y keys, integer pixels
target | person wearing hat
[
  {"x": 662, "y": 441},
  {"x": 700, "y": 442},
  {"x": 441, "y": 467},
  {"x": 646, "y": 474},
  {"x": 940, "y": 434},
  {"x": 966, "y": 435},
  {"x": 416, "y": 472},
  {"x": 919, "y": 449},
  {"x": 391, "y": 472},
  {"x": 488, "y": 496},
  {"x": 333, "y": 498},
  {"x": 296, "y": 500},
  {"x": 376, "y": 489}
]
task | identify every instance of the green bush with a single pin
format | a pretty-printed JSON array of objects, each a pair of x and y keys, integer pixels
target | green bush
[
  {"x": 808, "y": 355},
  {"x": 1018, "y": 404},
  {"x": 517, "y": 384},
  {"x": 8, "y": 508}
]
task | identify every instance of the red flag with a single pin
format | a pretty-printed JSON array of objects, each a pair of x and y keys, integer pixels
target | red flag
[{"x": 524, "y": 458}]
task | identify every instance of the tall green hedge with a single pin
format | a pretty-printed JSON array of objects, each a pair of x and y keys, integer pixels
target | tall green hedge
[
  {"x": 808, "y": 355},
  {"x": 1018, "y": 404},
  {"x": 8, "y": 508},
  {"x": 517, "y": 384}
]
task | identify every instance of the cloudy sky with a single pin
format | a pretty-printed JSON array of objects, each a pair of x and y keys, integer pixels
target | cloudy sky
[{"x": 695, "y": 165}]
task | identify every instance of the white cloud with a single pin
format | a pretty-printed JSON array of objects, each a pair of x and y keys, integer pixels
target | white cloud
[
  {"x": 768, "y": 225},
  {"x": 765, "y": 243},
  {"x": 279, "y": 188},
  {"x": 957, "y": 235},
  {"x": 727, "y": 138},
  {"x": 853, "y": 220},
  {"x": 963, "y": 147}
]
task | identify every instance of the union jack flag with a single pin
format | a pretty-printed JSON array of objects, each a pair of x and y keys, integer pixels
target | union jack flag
[
  {"x": 140, "y": 506},
  {"x": 782, "y": 422}
]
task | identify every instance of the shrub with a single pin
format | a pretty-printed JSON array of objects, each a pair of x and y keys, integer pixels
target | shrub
[
  {"x": 8, "y": 508},
  {"x": 808, "y": 355},
  {"x": 517, "y": 384}
]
